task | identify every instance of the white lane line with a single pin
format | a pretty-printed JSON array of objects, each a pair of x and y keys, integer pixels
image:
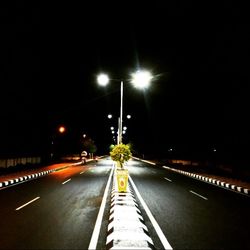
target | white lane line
[
  {"x": 66, "y": 181},
  {"x": 95, "y": 234},
  {"x": 158, "y": 230},
  {"x": 167, "y": 179},
  {"x": 24, "y": 205},
  {"x": 203, "y": 197}
]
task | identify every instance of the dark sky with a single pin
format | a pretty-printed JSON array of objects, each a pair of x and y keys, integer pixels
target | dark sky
[{"x": 198, "y": 53}]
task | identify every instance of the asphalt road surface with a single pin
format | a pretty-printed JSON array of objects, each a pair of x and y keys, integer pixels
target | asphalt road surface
[
  {"x": 57, "y": 211},
  {"x": 192, "y": 214},
  {"x": 60, "y": 210}
]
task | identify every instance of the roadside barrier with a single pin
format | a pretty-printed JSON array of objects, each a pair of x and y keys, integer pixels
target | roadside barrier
[
  {"x": 25, "y": 178},
  {"x": 212, "y": 181}
]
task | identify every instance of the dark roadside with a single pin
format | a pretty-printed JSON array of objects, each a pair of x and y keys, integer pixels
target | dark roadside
[
  {"x": 28, "y": 169},
  {"x": 218, "y": 172}
]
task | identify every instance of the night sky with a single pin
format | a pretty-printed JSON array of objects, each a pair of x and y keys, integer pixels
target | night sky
[{"x": 51, "y": 54}]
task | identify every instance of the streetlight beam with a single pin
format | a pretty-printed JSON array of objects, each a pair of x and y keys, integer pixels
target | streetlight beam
[{"x": 141, "y": 79}]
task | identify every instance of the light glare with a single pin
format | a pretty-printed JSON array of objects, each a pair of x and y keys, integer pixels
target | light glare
[
  {"x": 141, "y": 79},
  {"x": 61, "y": 129},
  {"x": 103, "y": 79}
]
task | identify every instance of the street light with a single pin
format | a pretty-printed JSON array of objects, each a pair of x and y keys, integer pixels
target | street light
[
  {"x": 110, "y": 116},
  {"x": 55, "y": 139},
  {"x": 140, "y": 79},
  {"x": 61, "y": 129}
]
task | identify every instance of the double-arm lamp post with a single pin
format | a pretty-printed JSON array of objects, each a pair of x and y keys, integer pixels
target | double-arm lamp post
[{"x": 140, "y": 79}]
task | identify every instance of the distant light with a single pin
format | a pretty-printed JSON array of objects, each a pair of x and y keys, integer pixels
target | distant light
[
  {"x": 123, "y": 131},
  {"x": 61, "y": 129},
  {"x": 103, "y": 79},
  {"x": 214, "y": 150},
  {"x": 128, "y": 116},
  {"x": 84, "y": 135},
  {"x": 125, "y": 128},
  {"x": 112, "y": 128},
  {"x": 141, "y": 79},
  {"x": 112, "y": 131},
  {"x": 109, "y": 116}
]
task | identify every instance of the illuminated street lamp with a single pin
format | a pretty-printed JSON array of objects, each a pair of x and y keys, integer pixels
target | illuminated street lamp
[
  {"x": 54, "y": 140},
  {"x": 61, "y": 129},
  {"x": 103, "y": 79},
  {"x": 140, "y": 79}
]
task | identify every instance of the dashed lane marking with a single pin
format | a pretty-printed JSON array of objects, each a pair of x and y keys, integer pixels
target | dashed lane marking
[
  {"x": 203, "y": 197},
  {"x": 26, "y": 204},
  {"x": 66, "y": 181},
  {"x": 167, "y": 179}
]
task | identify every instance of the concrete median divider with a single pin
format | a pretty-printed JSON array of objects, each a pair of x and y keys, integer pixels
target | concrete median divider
[{"x": 126, "y": 227}]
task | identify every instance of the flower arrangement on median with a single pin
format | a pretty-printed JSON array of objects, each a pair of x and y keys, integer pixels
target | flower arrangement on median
[{"x": 121, "y": 153}]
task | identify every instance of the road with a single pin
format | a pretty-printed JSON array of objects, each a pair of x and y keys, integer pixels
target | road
[
  {"x": 192, "y": 214},
  {"x": 60, "y": 210}
]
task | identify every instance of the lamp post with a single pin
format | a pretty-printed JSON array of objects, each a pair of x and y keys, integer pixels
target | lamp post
[
  {"x": 120, "y": 119},
  {"x": 140, "y": 79}
]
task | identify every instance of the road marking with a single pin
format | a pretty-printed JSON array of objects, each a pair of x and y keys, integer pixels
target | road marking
[
  {"x": 24, "y": 205},
  {"x": 203, "y": 197},
  {"x": 158, "y": 230},
  {"x": 66, "y": 181},
  {"x": 95, "y": 234},
  {"x": 167, "y": 179},
  {"x": 82, "y": 172}
]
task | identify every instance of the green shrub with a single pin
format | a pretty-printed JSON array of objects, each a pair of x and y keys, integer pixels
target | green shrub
[{"x": 121, "y": 153}]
